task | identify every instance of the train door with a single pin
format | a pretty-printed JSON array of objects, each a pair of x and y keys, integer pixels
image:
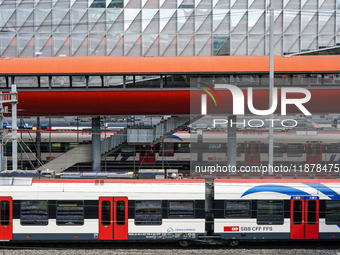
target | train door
[
  {"x": 113, "y": 218},
  {"x": 313, "y": 153},
  {"x": 252, "y": 153},
  {"x": 304, "y": 218},
  {"x": 147, "y": 154},
  {"x": 6, "y": 219}
]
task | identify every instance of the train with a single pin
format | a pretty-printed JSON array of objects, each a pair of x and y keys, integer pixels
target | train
[
  {"x": 198, "y": 211},
  {"x": 181, "y": 148}
]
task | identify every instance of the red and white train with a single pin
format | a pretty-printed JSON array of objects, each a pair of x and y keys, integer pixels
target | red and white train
[{"x": 220, "y": 211}]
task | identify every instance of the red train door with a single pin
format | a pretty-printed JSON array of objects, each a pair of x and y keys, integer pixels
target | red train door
[
  {"x": 252, "y": 153},
  {"x": 313, "y": 153},
  {"x": 6, "y": 219},
  {"x": 113, "y": 218},
  {"x": 304, "y": 218},
  {"x": 147, "y": 154}
]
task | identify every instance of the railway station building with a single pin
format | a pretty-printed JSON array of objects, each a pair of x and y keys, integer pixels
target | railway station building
[
  {"x": 47, "y": 28},
  {"x": 128, "y": 63}
]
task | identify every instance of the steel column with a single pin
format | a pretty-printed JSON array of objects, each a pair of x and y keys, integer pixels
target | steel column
[
  {"x": 96, "y": 155},
  {"x": 231, "y": 151}
]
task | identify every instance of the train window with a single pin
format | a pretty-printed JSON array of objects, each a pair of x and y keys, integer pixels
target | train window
[
  {"x": 311, "y": 213},
  {"x": 106, "y": 212},
  {"x": 295, "y": 150},
  {"x": 120, "y": 212},
  {"x": 184, "y": 147},
  {"x": 333, "y": 212},
  {"x": 33, "y": 212},
  {"x": 168, "y": 149},
  {"x": 278, "y": 150},
  {"x": 297, "y": 212},
  {"x": 248, "y": 150},
  {"x": 237, "y": 209},
  {"x": 181, "y": 209},
  {"x": 70, "y": 212},
  {"x": 128, "y": 151},
  {"x": 310, "y": 149},
  {"x": 317, "y": 149},
  {"x": 148, "y": 212},
  {"x": 5, "y": 213},
  {"x": 270, "y": 212}
]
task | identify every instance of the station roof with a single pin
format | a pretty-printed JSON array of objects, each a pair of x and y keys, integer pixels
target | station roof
[{"x": 167, "y": 65}]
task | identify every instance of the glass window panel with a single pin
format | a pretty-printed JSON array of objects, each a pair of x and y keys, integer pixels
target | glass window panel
[
  {"x": 120, "y": 212},
  {"x": 270, "y": 212},
  {"x": 333, "y": 212},
  {"x": 148, "y": 212},
  {"x": 26, "y": 82},
  {"x": 78, "y": 81},
  {"x": 58, "y": 40},
  {"x": 76, "y": 15},
  {"x": 70, "y": 213},
  {"x": 60, "y": 81},
  {"x": 311, "y": 213},
  {"x": 258, "y": 4},
  {"x": 116, "y": 4},
  {"x": 297, "y": 212},
  {"x": 95, "y": 81},
  {"x": 181, "y": 209},
  {"x": 80, "y": 4},
  {"x": 5, "y": 211},
  {"x": 203, "y": 21},
  {"x": 40, "y": 16},
  {"x": 236, "y": 18},
  {"x": 114, "y": 81},
  {"x": 40, "y": 41},
  {"x": 106, "y": 213},
  {"x": 34, "y": 212},
  {"x": 237, "y": 209},
  {"x": 23, "y": 40},
  {"x": 2, "y": 82},
  {"x": 222, "y": 4},
  {"x": 328, "y": 5},
  {"x": 98, "y": 4}
]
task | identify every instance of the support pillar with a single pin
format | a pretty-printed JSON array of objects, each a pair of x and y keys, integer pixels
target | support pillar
[
  {"x": 14, "y": 130},
  {"x": 232, "y": 146},
  {"x": 96, "y": 156},
  {"x": 38, "y": 142}
]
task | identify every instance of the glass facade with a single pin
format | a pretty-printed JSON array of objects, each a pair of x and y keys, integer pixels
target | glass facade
[{"x": 164, "y": 27}]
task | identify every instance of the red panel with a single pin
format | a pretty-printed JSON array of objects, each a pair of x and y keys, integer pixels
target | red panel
[
  {"x": 156, "y": 102},
  {"x": 148, "y": 156},
  {"x": 318, "y": 157},
  {"x": 297, "y": 231},
  {"x": 105, "y": 231},
  {"x": 256, "y": 154},
  {"x": 312, "y": 230},
  {"x": 121, "y": 228},
  {"x": 6, "y": 232}
]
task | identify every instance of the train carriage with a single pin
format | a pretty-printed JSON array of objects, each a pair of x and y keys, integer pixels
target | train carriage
[
  {"x": 277, "y": 209},
  {"x": 55, "y": 209}
]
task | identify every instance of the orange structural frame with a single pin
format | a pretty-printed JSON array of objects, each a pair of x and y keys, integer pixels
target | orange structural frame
[{"x": 167, "y": 65}]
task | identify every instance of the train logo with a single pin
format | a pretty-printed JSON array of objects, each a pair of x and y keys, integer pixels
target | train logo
[
  {"x": 238, "y": 100},
  {"x": 169, "y": 230},
  {"x": 232, "y": 229}
]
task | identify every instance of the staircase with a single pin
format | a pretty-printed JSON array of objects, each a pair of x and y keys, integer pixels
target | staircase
[{"x": 131, "y": 135}]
